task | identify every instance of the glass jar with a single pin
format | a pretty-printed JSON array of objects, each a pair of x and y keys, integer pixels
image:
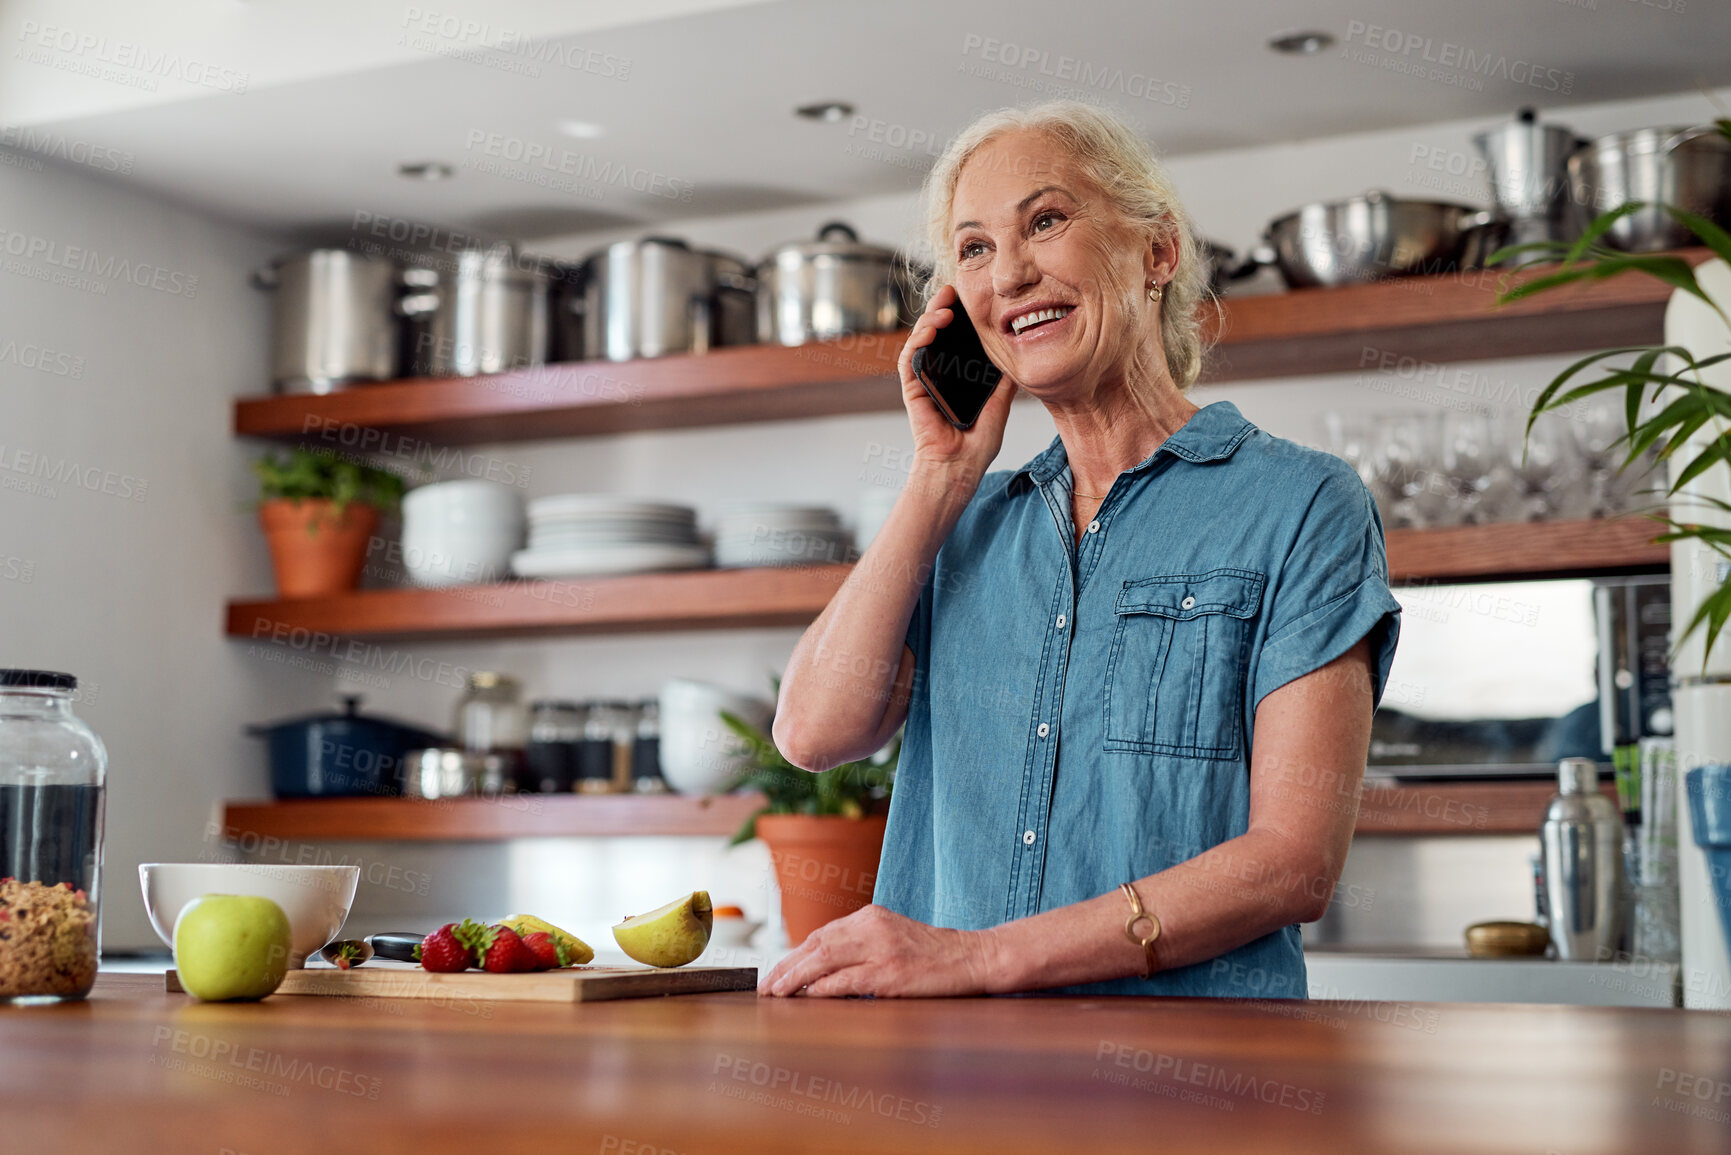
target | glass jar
[
  {"x": 52, "y": 776},
  {"x": 646, "y": 750},
  {"x": 490, "y": 719},
  {"x": 597, "y": 753},
  {"x": 555, "y": 729}
]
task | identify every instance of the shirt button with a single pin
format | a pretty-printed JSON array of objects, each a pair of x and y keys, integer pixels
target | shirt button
[
  {"x": 1188, "y": 603},
  {"x": 1043, "y": 730},
  {"x": 1093, "y": 527},
  {"x": 1027, "y": 838},
  {"x": 1060, "y": 621}
]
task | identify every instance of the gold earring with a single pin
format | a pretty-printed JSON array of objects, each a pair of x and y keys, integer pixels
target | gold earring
[{"x": 1154, "y": 291}]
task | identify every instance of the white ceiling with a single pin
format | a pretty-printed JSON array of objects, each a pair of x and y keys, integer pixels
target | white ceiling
[{"x": 704, "y": 106}]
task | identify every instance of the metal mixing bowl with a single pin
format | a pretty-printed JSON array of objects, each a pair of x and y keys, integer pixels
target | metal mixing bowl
[{"x": 1686, "y": 167}]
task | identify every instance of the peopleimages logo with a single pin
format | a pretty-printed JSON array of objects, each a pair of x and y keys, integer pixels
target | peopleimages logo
[
  {"x": 79, "y": 259},
  {"x": 1457, "y": 64}
]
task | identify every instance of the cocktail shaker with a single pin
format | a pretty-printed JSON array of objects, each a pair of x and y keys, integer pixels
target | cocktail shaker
[{"x": 1582, "y": 839}]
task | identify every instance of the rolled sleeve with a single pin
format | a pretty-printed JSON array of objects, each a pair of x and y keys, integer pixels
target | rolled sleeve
[{"x": 1333, "y": 591}]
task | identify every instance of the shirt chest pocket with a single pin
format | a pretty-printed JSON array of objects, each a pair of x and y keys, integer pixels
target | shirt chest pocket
[{"x": 1175, "y": 675}]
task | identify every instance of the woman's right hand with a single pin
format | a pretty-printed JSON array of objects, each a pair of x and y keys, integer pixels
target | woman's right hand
[{"x": 937, "y": 443}]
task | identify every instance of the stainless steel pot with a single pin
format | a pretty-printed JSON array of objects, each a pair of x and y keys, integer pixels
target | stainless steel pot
[
  {"x": 447, "y": 772},
  {"x": 733, "y": 309},
  {"x": 836, "y": 284},
  {"x": 1369, "y": 237},
  {"x": 337, "y": 319},
  {"x": 1528, "y": 167},
  {"x": 647, "y": 298},
  {"x": 488, "y": 312},
  {"x": 1686, "y": 167}
]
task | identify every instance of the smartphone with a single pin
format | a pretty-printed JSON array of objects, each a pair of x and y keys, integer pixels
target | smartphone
[{"x": 955, "y": 370}]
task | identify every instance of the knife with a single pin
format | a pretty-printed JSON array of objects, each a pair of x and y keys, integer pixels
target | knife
[{"x": 395, "y": 944}]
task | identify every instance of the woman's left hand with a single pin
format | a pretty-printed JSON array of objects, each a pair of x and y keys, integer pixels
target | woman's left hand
[{"x": 875, "y": 951}]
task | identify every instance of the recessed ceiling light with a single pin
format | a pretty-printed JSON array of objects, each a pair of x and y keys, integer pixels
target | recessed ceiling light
[
  {"x": 581, "y": 129},
  {"x": 1301, "y": 43},
  {"x": 828, "y": 111},
  {"x": 426, "y": 170}
]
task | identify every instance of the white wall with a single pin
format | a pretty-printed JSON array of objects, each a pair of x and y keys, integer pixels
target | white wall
[{"x": 118, "y": 570}]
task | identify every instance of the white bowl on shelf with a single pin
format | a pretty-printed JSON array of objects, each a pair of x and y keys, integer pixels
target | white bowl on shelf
[
  {"x": 315, "y": 898},
  {"x": 699, "y": 754}
]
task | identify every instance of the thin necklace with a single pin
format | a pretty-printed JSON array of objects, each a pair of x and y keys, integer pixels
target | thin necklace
[{"x": 1094, "y": 496}]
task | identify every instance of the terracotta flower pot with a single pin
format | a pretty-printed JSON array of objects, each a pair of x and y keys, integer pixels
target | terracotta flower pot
[
  {"x": 314, "y": 552},
  {"x": 827, "y": 867}
]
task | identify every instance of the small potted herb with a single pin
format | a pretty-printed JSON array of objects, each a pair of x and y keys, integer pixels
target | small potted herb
[
  {"x": 319, "y": 511},
  {"x": 825, "y": 832}
]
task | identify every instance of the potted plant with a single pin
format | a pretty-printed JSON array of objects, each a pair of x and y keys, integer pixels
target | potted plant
[
  {"x": 825, "y": 832},
  {"x": 318, "y": 511}
]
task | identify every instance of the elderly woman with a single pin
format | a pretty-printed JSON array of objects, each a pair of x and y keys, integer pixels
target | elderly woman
[{"x": 1138, "y": 672}]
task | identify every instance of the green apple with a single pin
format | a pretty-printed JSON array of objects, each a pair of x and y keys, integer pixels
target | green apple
[
  {"x": 231, "y": 946},
  {"x": 671, "y": 935}
]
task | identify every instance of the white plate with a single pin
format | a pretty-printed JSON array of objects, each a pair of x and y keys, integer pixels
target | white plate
[
  {"x": 607, "y": 535},
  {"x": 611, "y": 559},
  {"x": 585, "y": 505}
]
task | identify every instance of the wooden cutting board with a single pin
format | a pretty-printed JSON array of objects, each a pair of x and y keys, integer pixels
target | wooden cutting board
[{"x": 571, "y": 985}]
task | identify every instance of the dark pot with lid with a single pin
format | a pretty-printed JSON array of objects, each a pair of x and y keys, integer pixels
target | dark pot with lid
[{"x": 340, "y": 755}]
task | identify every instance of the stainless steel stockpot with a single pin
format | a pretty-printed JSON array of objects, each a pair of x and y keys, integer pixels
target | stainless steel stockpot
[
  {"x": 835, "y": 284},
  {"x": 487, "y": 312},
  {"x": 337, "y": 319},
  {"x": 1686, "y": 167}
]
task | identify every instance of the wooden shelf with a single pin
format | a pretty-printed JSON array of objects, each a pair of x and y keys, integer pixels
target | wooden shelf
[
  {"x": 1463, "y": 807},
  {"x": 1384, "y": 809},
  {"x": 486, "y": 819},
  {"x": 1447, "y": 318},
  {"x": 704, "y": 599},
  {"x": 1526, "y": 549},
  {"x": 738, "y": 599}
]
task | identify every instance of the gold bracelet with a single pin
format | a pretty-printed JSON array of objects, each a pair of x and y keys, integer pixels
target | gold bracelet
[{"x": 1137, "y": 914}]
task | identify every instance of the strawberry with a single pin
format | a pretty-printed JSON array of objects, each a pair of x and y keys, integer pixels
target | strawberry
[
  {"x": 504, "y": 952},
  {"x": 347, "y": 953},
  {"x": 550, "y": 954},
  {"x": 447, "y": 950}
]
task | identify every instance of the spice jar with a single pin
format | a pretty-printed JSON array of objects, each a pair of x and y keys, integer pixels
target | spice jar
[
  {"x": 646, "y": 750},
  {"x": 52, "y": 776},
  {"x": 490, "y": 719},
  {"x": 555, "y": 730},
  {"x": 606, "y": 725}
]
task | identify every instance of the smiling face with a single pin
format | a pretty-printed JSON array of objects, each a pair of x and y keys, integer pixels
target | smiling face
[{"x": 1052, "y": 279}]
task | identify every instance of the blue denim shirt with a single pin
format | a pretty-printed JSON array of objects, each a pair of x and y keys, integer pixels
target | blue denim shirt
[{"x": 1082, "y": 714}]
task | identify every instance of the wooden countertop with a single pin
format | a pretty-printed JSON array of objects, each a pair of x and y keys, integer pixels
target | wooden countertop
[{"x": 133, "y": 1069}]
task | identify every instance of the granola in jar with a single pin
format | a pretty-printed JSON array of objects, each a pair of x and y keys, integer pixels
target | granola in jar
[{"x": 47, "y": 940}]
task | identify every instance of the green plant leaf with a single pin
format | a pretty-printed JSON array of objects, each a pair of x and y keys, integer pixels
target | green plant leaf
[{"x": 1711, "y": 234}]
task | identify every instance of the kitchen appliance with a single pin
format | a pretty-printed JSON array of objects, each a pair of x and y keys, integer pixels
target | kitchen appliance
[
  {"x": 1366, "y": 238},
  {"x": 461, "y": 532},
  {"x": 487, "y": 312},
  {"x": 316, "y": 899},
  {"x": 835, "y": 284},
  {"x": 53, "y": 772},
  {"x": 1527, "y": 163},
  {"x": 339, "y": 755},
  {"x": 658, "y": 295},
  {"x": 1505, "y": 679},
  {"x": 1689, "y": 168},
  {"x": 1582, "y": 841},
  {"x": 338, "y": 319}
]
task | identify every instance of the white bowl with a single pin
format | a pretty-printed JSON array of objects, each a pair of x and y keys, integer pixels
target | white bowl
[
  {"x": 699, "y": 754},
  {"x": 315, "y": 898},
  {"x": 733, "y": 933},
  {"x": 470, "y": 502}
]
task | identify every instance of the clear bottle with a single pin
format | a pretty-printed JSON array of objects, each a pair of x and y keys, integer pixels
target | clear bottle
[
  {"x": 490, "y": 719},
  {"x": 53, "y": 773},
  {"x": 555, "y": 729},
  {"x": 646, "y": 750},
  {"x": 595, "y": 753}
]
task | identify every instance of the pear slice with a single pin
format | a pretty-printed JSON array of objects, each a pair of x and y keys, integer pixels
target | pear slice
[
  {"x": 579, "y": 950},
  {"x": 671, "y": 935}
]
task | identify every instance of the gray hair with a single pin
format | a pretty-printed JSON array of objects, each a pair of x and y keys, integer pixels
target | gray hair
[{"x": 1109, "y": 154}]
